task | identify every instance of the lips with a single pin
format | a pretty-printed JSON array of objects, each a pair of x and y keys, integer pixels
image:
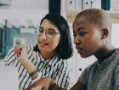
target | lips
[
  {"x": 43, "y": 43},
  {"x": 79, "y": 48}
]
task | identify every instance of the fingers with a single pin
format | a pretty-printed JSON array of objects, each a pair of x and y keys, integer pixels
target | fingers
[
  {"x": 45, "y": 88},
  {"x": 20, "y": 48},
  {"x": 35, "y": 89},
  {"x": 17, "y": 50},
  {"x": 34, "y": 86},
  {"x": 26, "y": 89}
]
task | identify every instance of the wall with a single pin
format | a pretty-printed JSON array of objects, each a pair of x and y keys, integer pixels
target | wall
[
  {"x": 21, "y": 10},
  {"x": 11, "y": 33},
  {"x": 25, "y": 4}
]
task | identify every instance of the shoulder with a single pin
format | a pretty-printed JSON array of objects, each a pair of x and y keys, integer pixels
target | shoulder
[
  {"x": 117, "y": 68},
  {"x": 115, "y": 62},
  {"x": 116, "y": 77},
  {"x": 10, "y": 56},
  {"x": 116, "y": 73},
  {"x": 10, "y": 52},
  {"x": 91, "y": 66},
  {"x": 83, "y": 78},
  {"x": 115, "y": 55},
  {"x": 11, "y": 49},
  {"x": 85, "y": 73},
  {"x": 115, "y": 59}
]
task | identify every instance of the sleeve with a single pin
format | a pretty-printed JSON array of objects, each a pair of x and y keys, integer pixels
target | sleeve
[
  {"x": 10, "y": 58},
  {"x": 84, "y": 76},
  {"x": 116, "y": 78},
  {"x": 63, "y": 75}
]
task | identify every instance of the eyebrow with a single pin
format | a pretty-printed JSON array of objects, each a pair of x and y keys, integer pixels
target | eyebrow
[
  {"x": 49, "y": 28},
  {"x": 41, "y": 27},
  {"x": 80, "y": 28}
]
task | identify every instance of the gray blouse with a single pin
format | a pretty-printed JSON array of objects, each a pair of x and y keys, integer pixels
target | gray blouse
[{"x": 103, "y": 76}]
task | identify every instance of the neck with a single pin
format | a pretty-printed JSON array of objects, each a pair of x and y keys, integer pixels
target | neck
[
  {"x": 105, "y": 52},
  {"x": 47, "y": 55}
]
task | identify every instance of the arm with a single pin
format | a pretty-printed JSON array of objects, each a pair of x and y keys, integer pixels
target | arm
[
  {"x": 46, "y": 82},
  {"x": 77, "y": 86},
  {"x": 22, "y": 57},
  {"x": 10, "y": 58},
  {"x": 63, "y": 78}
]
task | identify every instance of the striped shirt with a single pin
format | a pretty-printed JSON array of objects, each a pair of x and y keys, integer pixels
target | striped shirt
[{"x": 58, "y": 70}]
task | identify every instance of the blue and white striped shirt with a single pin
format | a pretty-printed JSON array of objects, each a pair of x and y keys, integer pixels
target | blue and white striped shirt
[{"x": 58, "y": 70}]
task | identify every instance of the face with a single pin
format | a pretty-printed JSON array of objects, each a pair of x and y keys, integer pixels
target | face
[
  {"x": 46, "y": 44},
  {"x": 87, "y": 37}
]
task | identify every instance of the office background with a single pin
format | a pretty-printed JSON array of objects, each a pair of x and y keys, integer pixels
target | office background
[{"x": 19, "y": 18}]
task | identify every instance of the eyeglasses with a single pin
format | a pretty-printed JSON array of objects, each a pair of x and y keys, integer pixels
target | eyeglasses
[{"x": 50, "y": 33}]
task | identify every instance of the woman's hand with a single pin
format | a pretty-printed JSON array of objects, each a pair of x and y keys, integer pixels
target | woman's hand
[
  {"x": 42, "y": 84},
  {"x": 21, "y": 54},
  {"x": 17, "y": 50}
]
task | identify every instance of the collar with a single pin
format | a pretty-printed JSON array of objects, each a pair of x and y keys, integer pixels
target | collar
[
  {"x": 107, "y": 61},
  {"x": 50, "y": 61}
]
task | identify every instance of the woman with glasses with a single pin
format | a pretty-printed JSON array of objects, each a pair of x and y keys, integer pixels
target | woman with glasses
[{"x": 48, "y": 58}]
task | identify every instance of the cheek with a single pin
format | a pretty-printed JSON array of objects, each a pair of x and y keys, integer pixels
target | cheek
[
  {"x": 97, "y": 40},
  {"x": 94, "y": 42},
  {"x": 54, "y": 42},
  {"x": 37, "y": 39}
]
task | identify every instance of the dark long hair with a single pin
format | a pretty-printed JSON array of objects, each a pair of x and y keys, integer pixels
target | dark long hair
[{"x": 65, "y": 49}]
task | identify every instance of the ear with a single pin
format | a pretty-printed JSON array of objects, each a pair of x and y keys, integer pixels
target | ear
[{"x": 105, "y": 33}]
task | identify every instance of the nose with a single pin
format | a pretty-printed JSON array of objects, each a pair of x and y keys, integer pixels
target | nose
[
  {"x": 43, "y": 35},
  {"x": 77, "y": 40}
]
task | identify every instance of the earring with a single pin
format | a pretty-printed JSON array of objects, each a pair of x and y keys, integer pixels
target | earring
[{"x": 103, "y": 42}]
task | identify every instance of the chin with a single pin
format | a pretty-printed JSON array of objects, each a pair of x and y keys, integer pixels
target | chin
[
  {"x": 84, "y": 56},
  {"x": 42, "y": 50}
]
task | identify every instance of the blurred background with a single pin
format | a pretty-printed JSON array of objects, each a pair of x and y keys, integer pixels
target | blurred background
[{"x": 19, "y": 18}]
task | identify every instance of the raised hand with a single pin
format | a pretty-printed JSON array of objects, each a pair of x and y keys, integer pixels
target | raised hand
[
  {"x": 17, "y": 50},
  {"x": 21, "y": 54}
]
